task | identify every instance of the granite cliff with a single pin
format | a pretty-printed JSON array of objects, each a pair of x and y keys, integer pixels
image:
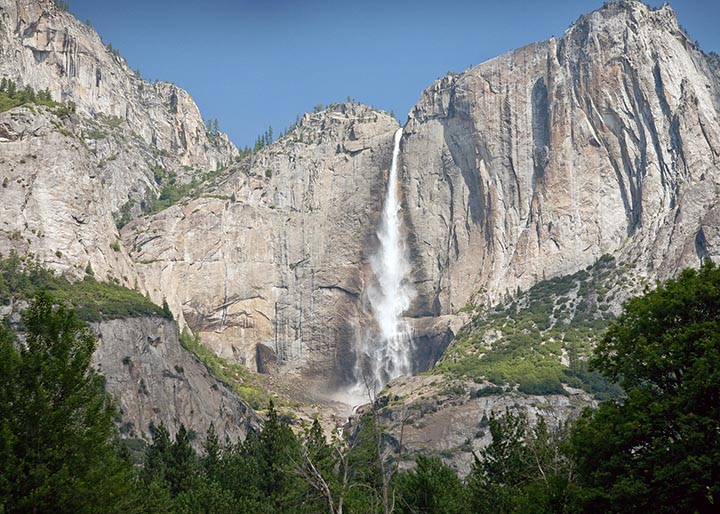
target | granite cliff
[
  {"x": 75, "y": 170},
  {"x": 536, "y": 163},
  {"x": 269, "y": 265},
  {"x": 71, "y": 173},
  {"x": 530, "y": 166},
  {"x": 155, "y": 380}
]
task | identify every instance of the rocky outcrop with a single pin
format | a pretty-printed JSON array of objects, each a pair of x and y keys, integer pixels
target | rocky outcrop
[
  {"x": 155, "y": 380},
  {"x": 535, "y": 163},
  {"x": 54, "y": 202},
  {"x": 69, "y": 171},
  {"x": 275, "y": 257},
  {"x": 45, "y": 47},
  {"x": 430, "y": 415}
]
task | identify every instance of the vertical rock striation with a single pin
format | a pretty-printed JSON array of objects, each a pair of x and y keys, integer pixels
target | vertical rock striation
[
  {"x": 535, "y": 163},
  {"x": 45, "y": 47},
  {"x": 270, "y": 265},
  {"x": 531, "y": 165},
  {"x": 67, "y": 174}
]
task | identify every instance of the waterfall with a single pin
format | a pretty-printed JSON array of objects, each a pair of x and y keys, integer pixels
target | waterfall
[{"x": 386, "y": 355}]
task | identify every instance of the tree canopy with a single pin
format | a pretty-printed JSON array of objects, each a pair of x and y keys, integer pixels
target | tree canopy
[
  {"x": 659, "y": 448},
  {"x": 56, "y": 421},
  {"x": 656, "y": 449}
]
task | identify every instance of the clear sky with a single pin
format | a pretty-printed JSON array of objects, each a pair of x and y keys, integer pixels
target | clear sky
[{"x": 259, "y": 63}]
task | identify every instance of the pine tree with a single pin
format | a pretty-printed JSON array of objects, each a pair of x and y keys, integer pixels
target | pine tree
[
  {"x": 181, "y": 470},
  {"x": 56, "y": 421},
  {"x": 11, "y": 89},
  {"x": 432, "y": 486}
]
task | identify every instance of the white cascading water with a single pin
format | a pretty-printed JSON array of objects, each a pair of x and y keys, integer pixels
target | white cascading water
[{"x": 387, "y": 356}]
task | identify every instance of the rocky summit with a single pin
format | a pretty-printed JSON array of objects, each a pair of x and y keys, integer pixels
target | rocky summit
[
  {"x": 528, "y": 167},
  {"x": 536, "y": 163}
]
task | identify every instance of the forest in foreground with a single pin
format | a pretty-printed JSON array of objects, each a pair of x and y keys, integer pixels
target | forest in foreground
[{"x": 655, "y": 448}]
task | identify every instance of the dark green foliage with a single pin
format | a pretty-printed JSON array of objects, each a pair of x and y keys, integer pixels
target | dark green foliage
[
  {"x": 581, "y": 376},
  {"x": 56, "y": 420},
  {"x": 276, "y": 450},
  {"x": 113, "y": 51},
  {"x": 322, "y": 469},
  {"x": 367, "y": 466},
  {"x": 263, "y": 140},
  {"x": 259, "y": 475},
  {"x": 166, "y": 310},
  {"x": 212, "y": 126},
  {"x": 656, "y": 450},
  {"x": 523, "y": 470},
  {"x": 243, "y": 152},
  {"x": 432, "y": 488},
  {"x": 659, "y": 449},
  {"x": 93, "y": 300},
  {"x": 11, "y": 96},
  {"x": 124, "y": 215},
  {"x": 173, "y": 191}
]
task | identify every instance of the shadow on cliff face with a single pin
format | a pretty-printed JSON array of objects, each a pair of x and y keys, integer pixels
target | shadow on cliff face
[{"x": 430, "y": 337}]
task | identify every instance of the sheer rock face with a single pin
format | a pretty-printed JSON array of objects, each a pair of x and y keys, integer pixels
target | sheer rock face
[
  {"x": 530, "y": 165},
  {"x": 53, "y": 203},
  {"x": 67, "y": 175},
  {"x": 44, "y": 47},
  {"x": 155, "y": 380},
  {"x": 276, "y": 255},
  {"x": 537, "y": 162}
]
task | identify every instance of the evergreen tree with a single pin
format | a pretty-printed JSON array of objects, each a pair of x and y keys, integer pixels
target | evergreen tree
[
  {"x": 276, "y": 450},
  {"x": 213, "y": 454},
  {"x": 431, "y": 488},
  {"x": 56, "y": 422},
  {"x": 371, "y": 488},
  {"x": 181, "y": 472},
  {"x": 503, "y": 465},
  {"x": 11, "y": 89},
  {"x": 27, "y": 94},
  {"x": 523, "y": 470},
  {"x": 324, "y": 468},
  {"x": 156, "y": 490}
]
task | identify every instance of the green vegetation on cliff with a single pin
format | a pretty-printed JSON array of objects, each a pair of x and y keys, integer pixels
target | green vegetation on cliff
[
  {"x": 21, "y": 278},
  {"x": 12, "y": 96},
  {"x": 525, "y": 340},
  {"x": 237, "y": 376}
]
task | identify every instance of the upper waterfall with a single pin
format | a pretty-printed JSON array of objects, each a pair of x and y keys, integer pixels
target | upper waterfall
[{"x": 387, "y": 355}]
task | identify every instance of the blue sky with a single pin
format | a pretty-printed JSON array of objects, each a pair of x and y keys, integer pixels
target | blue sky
[{"x": 254, "y": 64}]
